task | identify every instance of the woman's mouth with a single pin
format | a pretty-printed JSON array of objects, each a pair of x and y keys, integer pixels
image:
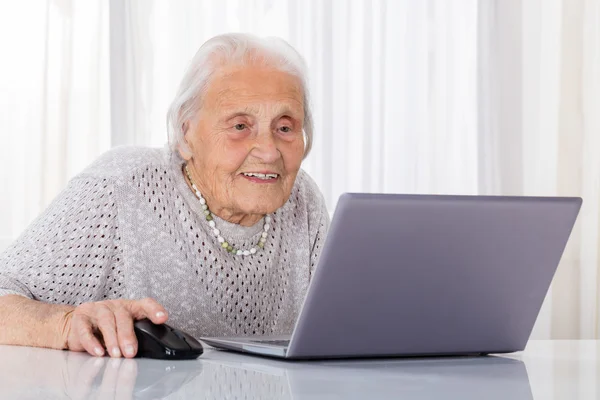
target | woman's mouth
[{"x": 259, "y": 177}]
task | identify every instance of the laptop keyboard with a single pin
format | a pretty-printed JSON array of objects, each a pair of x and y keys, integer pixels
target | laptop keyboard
[{"x": 283, "y": 343}]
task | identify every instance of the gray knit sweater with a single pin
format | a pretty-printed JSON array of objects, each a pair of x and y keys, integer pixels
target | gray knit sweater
[{"x": 129, "y": 227}]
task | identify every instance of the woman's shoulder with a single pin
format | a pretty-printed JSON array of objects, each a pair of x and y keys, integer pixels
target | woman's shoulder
[{"x": 123, "y": 161}]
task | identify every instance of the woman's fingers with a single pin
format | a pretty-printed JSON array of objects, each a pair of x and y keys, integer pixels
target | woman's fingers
[
  {"x": 148, "y": 308},
  {"x": 84, "y": 333},
  {"x": 105, "y": 319},
  {"x": 114, "y": 320},
  {"x": 125, "y": 332}
]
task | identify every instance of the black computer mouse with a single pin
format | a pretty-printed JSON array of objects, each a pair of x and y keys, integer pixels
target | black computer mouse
[{"x": 165, "y": 342}]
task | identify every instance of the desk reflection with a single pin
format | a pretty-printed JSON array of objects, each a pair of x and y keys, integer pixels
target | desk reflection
[{"x": 41, "y": 373}]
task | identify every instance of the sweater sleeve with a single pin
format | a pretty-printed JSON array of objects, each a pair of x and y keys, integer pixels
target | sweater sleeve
[{"x": 70, "y": 253}]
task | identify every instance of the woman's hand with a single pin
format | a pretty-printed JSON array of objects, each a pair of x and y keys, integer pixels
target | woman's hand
[{"x": 113, "y": 320}]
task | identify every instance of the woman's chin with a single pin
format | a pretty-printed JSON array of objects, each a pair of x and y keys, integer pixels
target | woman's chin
[
  {"x": 261, "y": 207},
  {"x": 265, "y": 201}
]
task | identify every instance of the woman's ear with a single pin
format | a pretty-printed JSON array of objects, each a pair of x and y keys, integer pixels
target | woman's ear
[
  {"x": 183, "y": 147},
  {"x": 184, "y": 151}
]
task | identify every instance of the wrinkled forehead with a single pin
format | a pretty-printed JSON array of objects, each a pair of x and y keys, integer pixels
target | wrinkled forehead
[{"x": 253, "y": 86}]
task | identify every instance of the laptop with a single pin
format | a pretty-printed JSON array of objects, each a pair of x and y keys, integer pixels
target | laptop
[{"x": 419, "y": 275}]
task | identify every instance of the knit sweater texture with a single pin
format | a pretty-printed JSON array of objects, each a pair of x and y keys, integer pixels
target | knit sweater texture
[{"x": 129, "y": 227}]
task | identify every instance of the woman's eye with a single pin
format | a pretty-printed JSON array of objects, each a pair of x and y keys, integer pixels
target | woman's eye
[
  {"x": 285, "y": 129},
  {"x": 240, "y": 127}
]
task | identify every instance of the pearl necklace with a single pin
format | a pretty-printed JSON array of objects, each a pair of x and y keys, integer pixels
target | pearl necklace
[{"x": 224, "y": 244}]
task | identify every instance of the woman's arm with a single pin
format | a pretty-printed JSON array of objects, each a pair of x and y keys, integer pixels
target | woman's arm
[
  {"x": 26, "y": 322},
  {"x": 61, "y": 279},
  {"x": 71, "y": 253}
]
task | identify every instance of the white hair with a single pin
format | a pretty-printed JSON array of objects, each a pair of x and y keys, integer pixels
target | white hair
[{"x": 227, "y": 49}]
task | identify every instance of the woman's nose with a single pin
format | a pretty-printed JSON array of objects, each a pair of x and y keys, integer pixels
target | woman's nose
[{"x": 265, "y": 148}]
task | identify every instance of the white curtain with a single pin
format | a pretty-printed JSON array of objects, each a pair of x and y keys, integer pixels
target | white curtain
[
  {"x": 409, "y": 96},
  {"x": 540, "y": 134},
  {"x": 54, "y": 104}
]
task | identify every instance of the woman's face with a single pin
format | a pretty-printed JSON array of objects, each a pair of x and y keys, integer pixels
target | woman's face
[{"x": 247, "y": 143}]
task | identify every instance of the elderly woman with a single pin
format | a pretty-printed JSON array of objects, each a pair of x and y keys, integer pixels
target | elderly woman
[{"x": 217, "y": 233}]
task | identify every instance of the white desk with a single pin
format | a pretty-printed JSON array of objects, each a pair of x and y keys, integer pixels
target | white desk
[{"x": 546, "y": 370}]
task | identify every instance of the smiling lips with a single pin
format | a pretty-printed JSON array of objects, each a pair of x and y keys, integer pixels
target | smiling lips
[{"x": 259, "y": 177}]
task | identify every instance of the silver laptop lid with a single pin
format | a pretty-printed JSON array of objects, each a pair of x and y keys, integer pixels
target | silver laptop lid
[{"x": 418, "y": 275}]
